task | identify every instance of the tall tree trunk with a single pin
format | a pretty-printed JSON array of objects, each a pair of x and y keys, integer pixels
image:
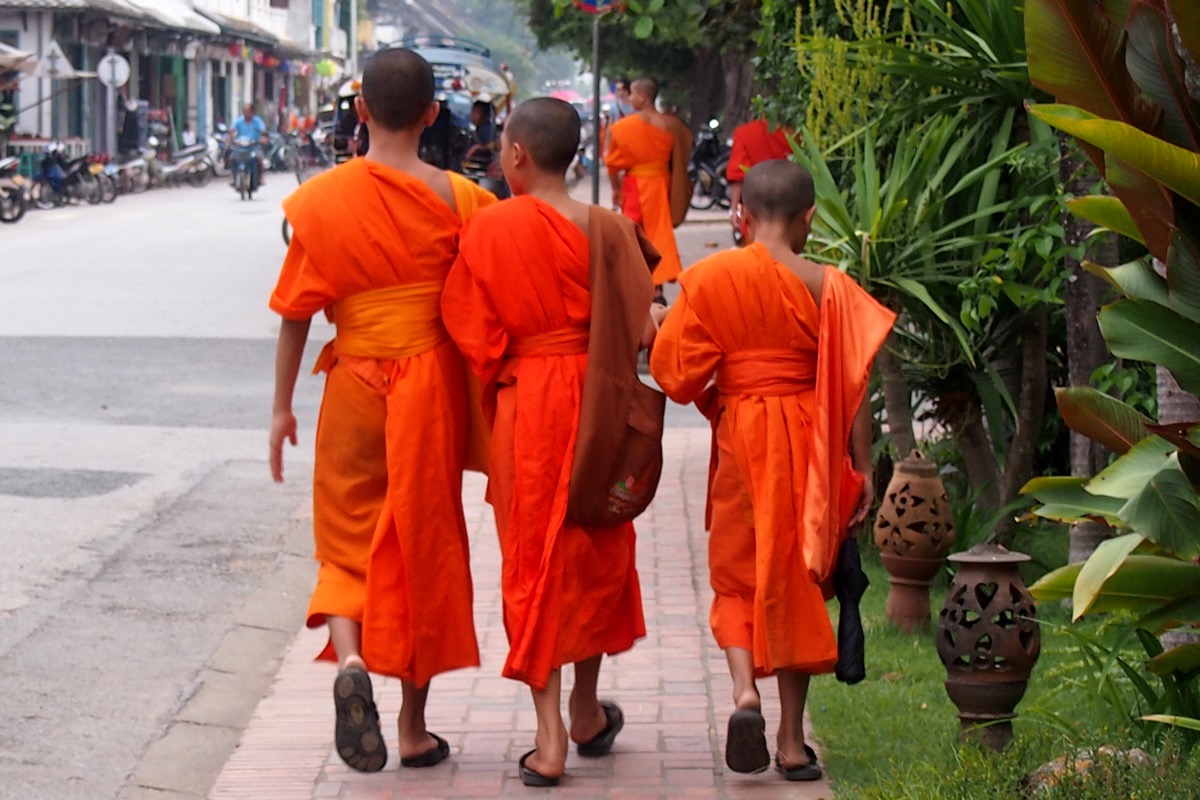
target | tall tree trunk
[
  {"x": 739, "y": 87},
  {"x": 897, "y": 398},
  {"x": 1031, "y": 404},
  {"x": 978, "y": 452},
  {"x": 1086, "y": 349},
  {"x": 708, "y": 88}
]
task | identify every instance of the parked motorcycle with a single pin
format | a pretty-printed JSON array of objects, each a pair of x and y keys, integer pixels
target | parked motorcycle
[
  {"x": 218, "y": 150},
  {"x": 13, "y": 188},
  {"x": 98, "y": 166},
  {"x": 710, "y": 157},
  {"x": 281, "y": 155},
  {"x": 244, "y": 167},
  {"x": 129, "y": 172},
  {"x": 60, "y": 180},
  {"x": 188, "y": 164}
]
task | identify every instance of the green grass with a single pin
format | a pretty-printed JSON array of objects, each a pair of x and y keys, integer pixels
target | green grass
[{"x": 895, "y": 735}]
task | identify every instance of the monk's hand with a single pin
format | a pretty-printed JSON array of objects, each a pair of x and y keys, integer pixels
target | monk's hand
[
  {"x": 283, "y": 426},
  {"x": 865, "y": 499}
]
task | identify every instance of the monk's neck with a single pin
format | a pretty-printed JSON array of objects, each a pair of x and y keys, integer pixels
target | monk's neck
[
  {"x": 779, "y": 246},
  {"x": 396, "y": 149}
]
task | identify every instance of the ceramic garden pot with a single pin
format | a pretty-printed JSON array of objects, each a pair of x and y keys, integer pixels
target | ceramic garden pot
[
  {"x": 988, "y": 639},
  {"x": 914, "y": 530}
]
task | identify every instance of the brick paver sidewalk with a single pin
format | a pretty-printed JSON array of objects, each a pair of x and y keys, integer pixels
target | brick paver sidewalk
[{"x": 673, "y": 686}]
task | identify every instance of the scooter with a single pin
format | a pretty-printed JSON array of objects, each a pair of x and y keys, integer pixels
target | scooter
[
  {"x": 188, "y": 164},
  {"x": 130, "y": 172},
  {"x": 245, "y": 167},
  {"x": 60, "y": 180},
  {"x": 218, "y": 150},
  {"x": 13, "y": 187},
  {"x": 706, "y": 169}
]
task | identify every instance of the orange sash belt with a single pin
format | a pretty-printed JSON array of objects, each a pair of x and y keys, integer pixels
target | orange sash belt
[
  {"x": 558, "y": 342},
  {"x": 650, "y": 170},
  {"x": 396, "y": 322},
  {"x": 767, "y": 373}
]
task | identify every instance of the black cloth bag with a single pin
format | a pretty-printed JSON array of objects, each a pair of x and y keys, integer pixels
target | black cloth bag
[{"x": 850, "y": 584}]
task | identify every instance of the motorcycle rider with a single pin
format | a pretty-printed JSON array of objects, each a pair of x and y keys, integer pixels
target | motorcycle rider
[{"x": 251, "y": 126}]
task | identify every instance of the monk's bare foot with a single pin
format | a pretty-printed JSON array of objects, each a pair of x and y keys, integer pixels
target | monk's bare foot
[
  {"x": 587, "y": 720},
  {"x": 415, "y": 743},
  {"x": 550, "y": 758},
  {"x": 746, "y": 700},
  {"x": 352, "y": 661}
]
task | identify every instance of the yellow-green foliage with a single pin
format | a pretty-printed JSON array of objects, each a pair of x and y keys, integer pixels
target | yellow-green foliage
[{"x": 844, "y": 72}]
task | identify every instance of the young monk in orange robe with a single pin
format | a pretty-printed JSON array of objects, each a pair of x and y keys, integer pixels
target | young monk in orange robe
[
  {"x": 518, "y": 305},
  {"x": 372, "y": 242},
  {"x": 790, "y": 345},
  {"x": 638, "y": 159}
]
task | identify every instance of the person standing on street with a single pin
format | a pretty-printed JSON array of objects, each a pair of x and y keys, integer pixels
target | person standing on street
[
  {"x": 776, "y": 350},
  {"x": 753, "y": 143},
  {"x": 519, "y": 304},
  {"x": 642, "y": 150},
  {"x": 372, "y": 242}
]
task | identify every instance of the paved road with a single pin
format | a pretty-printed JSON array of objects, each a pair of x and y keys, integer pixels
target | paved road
[{"x": 153, "y": 573}]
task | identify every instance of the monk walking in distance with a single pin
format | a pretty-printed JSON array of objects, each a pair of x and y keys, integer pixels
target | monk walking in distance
[
  {"x": 640, "y": 149},
  {"x": 519, "y": 306},
  {"x": 777, "y": 351},
  {"x": 372, "y": 243}
]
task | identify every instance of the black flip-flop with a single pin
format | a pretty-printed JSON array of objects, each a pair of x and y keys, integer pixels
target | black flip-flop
[
  {"x": 804, "y": 772},
  {"x": 356, "y": 732},
  {"x": 531, "y": 777},
  {"x": 602, "y": 743},
  {"x": 430, "y": 758},
  {"x": 746, "y": 742}
]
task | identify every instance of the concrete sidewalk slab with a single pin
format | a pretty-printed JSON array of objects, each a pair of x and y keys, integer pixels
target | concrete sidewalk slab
[{"x": 673, "y": 686}]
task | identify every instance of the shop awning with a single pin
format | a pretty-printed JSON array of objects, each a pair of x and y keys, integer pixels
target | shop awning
[
  {"x": 122, "y": 8},
  {"x": 177, "y": 15},
  {"x": 238, "y": 28}
]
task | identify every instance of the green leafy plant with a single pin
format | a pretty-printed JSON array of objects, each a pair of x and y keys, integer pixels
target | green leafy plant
[{"x": 1124, "y": 73}]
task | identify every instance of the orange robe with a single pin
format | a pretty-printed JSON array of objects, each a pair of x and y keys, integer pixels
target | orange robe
[
  {"x": 643, "y": 152},
  {"x": 753, "y": 143},
  {"x": 789, "y": 380},
  {"x": 518, "y": 306},
  {"x": 371, "y": 247}
]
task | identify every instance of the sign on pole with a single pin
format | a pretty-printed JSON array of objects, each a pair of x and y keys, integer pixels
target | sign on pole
[
  {"x": 54, "y": 64},
  {"x": 113, "y": 71}
]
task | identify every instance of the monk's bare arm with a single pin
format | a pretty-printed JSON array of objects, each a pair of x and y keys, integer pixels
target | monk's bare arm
[
  {"x": 616, "y": 179},
  {"x": 860, "y": 455},
  {"x": 293, "y": 334}
]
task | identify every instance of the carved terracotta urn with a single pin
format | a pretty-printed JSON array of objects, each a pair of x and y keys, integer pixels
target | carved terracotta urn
[
  {"x": 914, "y": 530},
  {"x": 988, "y": 639}
]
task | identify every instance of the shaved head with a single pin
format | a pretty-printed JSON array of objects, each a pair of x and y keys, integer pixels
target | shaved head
[
  {"x": 646, "y": 87},
  {"x": 548, "y": 129},
  {"x": 778, "y": 190},
  {"x": 397, "y": 88}
]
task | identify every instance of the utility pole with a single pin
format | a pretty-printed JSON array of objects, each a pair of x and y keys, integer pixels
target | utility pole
[{"x": 353, "y": 39}]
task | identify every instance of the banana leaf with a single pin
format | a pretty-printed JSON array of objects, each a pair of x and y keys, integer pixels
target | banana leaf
[
  {"x": 1107, "y": 212},
  {"x": 1137, "y": 280},
  {"x": 1181, "y": 612},
  {"x": 1101, "y": 417},
  {"x": 1146, "y": 331},
  {"x": 1065, "y": 499},
  {"x": 1183, "y": 274},
  {"x": 1101, "y": 565},
  {"x": 1139, "y": 584},
  {"x": 1077, "y": 54},
  {"x": 1176, "y": 168},
  {"x": 1157, "y": 70},
  {"x": 1166, "y": 511},
  {"x": 1130, "y": 473},
  {"x": 1178, "y": 659}
]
